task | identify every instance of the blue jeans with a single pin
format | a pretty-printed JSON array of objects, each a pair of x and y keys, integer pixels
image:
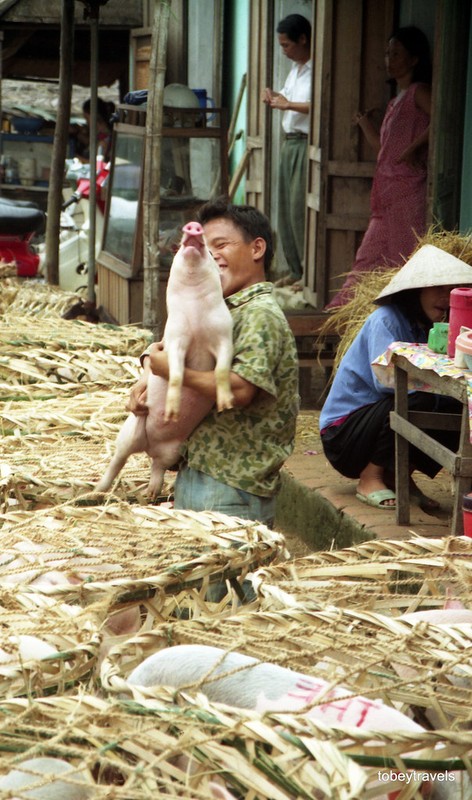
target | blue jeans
[{"x": 196, "y": 491}]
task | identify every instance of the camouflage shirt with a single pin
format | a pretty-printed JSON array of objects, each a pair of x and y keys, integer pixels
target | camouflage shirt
[{"x": 246, "y": 447}]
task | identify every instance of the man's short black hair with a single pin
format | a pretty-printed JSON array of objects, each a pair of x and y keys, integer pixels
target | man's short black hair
[
  {"x": 294, "y": 26},
  {"x": 251, "y": 222}
]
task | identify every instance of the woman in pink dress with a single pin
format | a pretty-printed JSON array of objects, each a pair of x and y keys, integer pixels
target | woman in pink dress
[{"x": 398, "y": 198}]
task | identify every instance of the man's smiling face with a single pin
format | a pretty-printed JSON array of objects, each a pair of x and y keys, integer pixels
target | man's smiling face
[{"x": 241, "y": 262}]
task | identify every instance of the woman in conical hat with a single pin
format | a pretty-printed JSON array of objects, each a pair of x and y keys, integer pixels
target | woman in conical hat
[{"x": 354, "y": 421}]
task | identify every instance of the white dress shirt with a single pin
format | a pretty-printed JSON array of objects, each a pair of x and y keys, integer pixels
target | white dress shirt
[{"x": 297, "y": 89}]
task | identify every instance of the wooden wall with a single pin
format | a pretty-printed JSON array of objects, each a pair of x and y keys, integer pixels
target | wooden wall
[{"x": 349, "y": 75}]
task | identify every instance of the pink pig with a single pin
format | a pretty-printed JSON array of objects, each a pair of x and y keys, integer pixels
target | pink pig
[{"x": 198, "y": 334}]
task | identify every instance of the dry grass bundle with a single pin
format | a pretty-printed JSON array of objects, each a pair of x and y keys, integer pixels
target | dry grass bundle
[
  {"x": 19, "y": 332},
  {"x": 134, "y": 752},
  {"x": 137, "y": 551},
  {"x": 45, "y": 646},
  {"x": 424, "y": 669},
  {"x": 35, "y": 297},
  {"x": 7, "y": 269},
  {"x": 391, "y": 577},
  {"x": 86, "y": 414},
  {"x": 348, "y": 320},
  {"x": 42, "y": 373}
]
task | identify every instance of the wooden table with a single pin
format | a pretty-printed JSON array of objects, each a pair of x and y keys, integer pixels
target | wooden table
[{"x": 409, "y": 428}]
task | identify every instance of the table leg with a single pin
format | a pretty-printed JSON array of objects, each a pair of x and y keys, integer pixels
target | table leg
[
  {"x": 461, "y": 483},
  {"x": 402, "y": 472}
]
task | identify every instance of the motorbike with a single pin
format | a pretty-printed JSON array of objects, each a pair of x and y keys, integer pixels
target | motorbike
[
  {"x": 20, "y": 222},
  {"x": 75, "y": 225}
]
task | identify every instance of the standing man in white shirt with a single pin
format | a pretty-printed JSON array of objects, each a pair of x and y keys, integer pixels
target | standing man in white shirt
[{"x": 294, "y": 34}]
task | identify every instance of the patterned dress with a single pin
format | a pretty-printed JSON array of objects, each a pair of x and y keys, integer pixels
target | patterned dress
[{"x": 398, "y": 197}]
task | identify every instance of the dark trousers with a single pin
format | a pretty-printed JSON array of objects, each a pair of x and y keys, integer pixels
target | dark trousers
[{"x": 366, "y": 437}]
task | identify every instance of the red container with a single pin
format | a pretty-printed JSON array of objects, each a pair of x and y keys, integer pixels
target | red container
[
  {"x": 460, "y": 315},
  {"x": 467, "y": 514}
]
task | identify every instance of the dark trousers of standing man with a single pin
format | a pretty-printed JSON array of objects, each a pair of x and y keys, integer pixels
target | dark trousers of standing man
[
  {"x": 366, "y": 437},
  {"x": 292, "y": 194}
]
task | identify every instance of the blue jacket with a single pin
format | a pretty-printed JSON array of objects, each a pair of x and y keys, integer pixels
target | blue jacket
[{"x": 355, "y": 384}]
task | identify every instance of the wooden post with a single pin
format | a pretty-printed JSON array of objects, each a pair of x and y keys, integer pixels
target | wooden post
[
  {"x": 152, "y": 170},
  {"x": 61, "y": 137},
  {"x": 92, "y": 233}
]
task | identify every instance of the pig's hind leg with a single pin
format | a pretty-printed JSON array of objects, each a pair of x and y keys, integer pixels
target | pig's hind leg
[{"x": 131, "y": 439}]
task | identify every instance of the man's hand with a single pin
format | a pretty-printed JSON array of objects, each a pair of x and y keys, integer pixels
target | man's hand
[{"x": 137, "y": 398}]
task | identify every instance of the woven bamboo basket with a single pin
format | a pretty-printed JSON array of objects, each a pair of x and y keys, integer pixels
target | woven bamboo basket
[
  {"x": 23, "y": 297},
  {"x": 133, "y": 751},
  {"x": 164, "y": 556},
  {"x": 39, "y": 471},
  {"x": 63, "y": 653},
  {"x": 422, "y": 667},
  {"x": 354, "y": 650},
  {"x": 390, "y": 576},
  {"x": 25, "y": 327}
]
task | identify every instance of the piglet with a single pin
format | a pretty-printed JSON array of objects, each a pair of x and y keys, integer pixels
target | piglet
[
  {"x": 239, "y": 680},
  {"x": 198, "y": 335},
  {"x": 47, "y": 778}
]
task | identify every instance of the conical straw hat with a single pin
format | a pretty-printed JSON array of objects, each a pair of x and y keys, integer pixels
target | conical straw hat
[{"x": 429, "y": 266}]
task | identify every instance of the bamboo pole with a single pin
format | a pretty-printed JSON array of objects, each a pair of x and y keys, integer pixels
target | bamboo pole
[
  {"x": 152, "y": 171},
  {"x": 61, "y": 136}
]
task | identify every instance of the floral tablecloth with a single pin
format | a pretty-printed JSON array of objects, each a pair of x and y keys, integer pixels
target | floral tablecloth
[{"x": 422, "y": 357}]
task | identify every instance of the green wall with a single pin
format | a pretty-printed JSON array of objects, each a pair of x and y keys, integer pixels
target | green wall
[{"x": 235, "y": 65}]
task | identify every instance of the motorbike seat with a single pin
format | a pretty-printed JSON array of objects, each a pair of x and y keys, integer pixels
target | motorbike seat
[{"x": 18, "y": 217}]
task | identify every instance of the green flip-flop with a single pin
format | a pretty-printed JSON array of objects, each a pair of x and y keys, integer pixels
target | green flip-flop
[{"x": 377, "y": 499}]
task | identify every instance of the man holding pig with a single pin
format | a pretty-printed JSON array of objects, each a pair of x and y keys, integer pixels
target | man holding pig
[{"x": 232, "y": 460}]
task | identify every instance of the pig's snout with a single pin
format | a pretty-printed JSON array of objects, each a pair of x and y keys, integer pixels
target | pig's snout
[
  {"x": 193, "y": 229},
  {"x": 192, "y": 235}
]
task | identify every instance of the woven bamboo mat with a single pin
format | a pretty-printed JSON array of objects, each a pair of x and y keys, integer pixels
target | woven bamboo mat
[
  {"x": 390, "y": 576},
  {"x": 134, "y": 752},
  {"x": 51, "y": 469},
  {"x": 425, "y": 667},
  {"x": 45, "y": 646},
  {"x": 133, "y": 549}
]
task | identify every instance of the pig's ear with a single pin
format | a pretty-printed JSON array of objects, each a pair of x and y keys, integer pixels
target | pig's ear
[{"x": 259, "y": 247}]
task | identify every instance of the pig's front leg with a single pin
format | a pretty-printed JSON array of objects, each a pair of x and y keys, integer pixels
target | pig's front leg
[
  {"x": 224, "y": 355},
  {"x": 176, "y": 350}
]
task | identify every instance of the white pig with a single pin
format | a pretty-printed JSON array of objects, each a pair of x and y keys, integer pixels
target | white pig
[
  {"x": 249, "y": 683},
  {"x": 39, "y": 779},
  {"x": 198, "y": 334}
]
